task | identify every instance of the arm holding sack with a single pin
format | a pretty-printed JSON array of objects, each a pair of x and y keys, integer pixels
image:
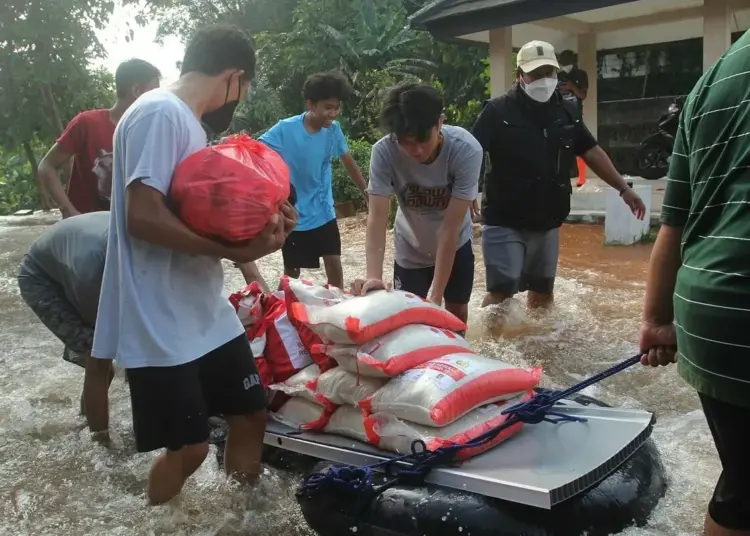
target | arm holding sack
[
  {"x": 465, "y": 190},
  {"x": 380, "y": 192},
  {"x": 148, "y": 175}
]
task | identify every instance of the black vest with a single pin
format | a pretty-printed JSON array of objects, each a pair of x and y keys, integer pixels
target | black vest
[{"x": 528, "y": 185}]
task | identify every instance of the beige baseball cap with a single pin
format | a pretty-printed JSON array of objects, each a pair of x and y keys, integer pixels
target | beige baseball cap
[{"x": 536, "y": 54}]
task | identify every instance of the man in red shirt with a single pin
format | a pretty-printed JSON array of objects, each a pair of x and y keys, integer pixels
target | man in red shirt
[{"x": 88, "y": 141}]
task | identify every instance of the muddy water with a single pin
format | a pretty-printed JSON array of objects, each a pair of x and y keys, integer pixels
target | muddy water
[{"x": 53, "y": 481}]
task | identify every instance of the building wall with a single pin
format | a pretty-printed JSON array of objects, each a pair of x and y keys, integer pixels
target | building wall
[{"x": 636, "y": 86}]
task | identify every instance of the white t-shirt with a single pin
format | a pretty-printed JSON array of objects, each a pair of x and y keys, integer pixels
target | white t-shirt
[{"x": 158, "y": 307}]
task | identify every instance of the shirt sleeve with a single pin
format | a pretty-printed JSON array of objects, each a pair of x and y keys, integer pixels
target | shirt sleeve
[
  {"x": 381, "y": 173},
  {"x": 583, "y": 139},
  {"x": 274, "y": 138},
  {"x": 70, "y": 139},
  {"x": 466, "y": 170},
  {"x": 151, "y": 150},
  {"x": 485, "y": 126},
  {"x": 340, "y": 146},
  {"x": 675, "y": 208}
]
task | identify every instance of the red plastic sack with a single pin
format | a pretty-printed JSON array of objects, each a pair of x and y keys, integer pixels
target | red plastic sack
[
  {"x": 309, "y": 293},
  {"x": 229, "y": 191},
  {"x": 284, "y": 353},
  {"x": 249, "y": 303}
]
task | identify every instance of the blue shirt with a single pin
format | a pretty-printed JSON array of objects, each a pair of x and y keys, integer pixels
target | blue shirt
[
  {"x": 309, "y": 159},
  {"x": 158, "y": 307}
]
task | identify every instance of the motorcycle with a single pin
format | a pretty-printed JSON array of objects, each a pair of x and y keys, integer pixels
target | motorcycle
[{"x": 656, "y": 150}]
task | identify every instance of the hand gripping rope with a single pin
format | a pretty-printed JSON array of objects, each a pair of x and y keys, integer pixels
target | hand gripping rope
[{"x": 413, "y": 468}]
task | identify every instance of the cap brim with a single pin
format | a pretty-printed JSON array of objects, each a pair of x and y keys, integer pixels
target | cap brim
[{"x": 535, "y": 64}]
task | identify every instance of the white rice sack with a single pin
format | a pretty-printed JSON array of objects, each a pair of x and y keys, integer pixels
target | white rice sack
[
  {"x": 309, "y": 293},
  {"x": 389, "y": 433},
  {"x": 347, "y": 421},
  {"x": 301, "y": 384},
  {"x": 363, "y": 318},
  {"x": 440, "y": 391},
  {"x": 398, "y": 351},
  {"x": 339, "y": 386},
  {"x": 302, "y": 414}
]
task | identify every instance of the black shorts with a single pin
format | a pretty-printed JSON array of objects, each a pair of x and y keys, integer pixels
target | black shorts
[
  {"x": 171, "y": 405},
  {"x": 460, "y": 284},
  {"x": 48, "y": 301},
  {"x": 303, "y": 249},
  {"x": 730, "y": 504}
]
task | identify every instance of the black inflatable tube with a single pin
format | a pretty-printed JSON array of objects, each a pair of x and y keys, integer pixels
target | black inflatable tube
[{"x": 625, "y": 498}]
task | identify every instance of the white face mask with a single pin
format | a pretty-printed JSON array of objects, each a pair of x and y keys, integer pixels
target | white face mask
[
  {"x": 540, "y": 90},
  {"x": 566, "y": 68}
]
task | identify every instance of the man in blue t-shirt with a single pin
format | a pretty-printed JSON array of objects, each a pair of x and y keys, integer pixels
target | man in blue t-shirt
[{"x": 307, "y": 143}]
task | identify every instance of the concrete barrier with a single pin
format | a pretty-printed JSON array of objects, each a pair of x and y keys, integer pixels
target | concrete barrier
[{"x": 620, "y": 225}]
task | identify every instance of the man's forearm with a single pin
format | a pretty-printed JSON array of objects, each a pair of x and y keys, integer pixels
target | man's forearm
[
  {"x": 356, "y": 175},
  {"x": 251, "y": 273},
  {"x": 600, "y": 163},
  {"x": 163, "y": 228},
  {"x": 51, "y": 180},
  {"x": 444, "y": 258},
  {"x": 375, "y": 251},
  {"x": 662, "y": 275}
]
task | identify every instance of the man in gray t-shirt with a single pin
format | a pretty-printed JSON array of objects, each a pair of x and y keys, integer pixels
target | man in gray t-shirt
[
  {"x": 59, "y": 280},
  {"x": 433, "y": 170}
]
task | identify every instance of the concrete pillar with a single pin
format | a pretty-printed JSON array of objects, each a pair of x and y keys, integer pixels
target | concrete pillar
[
  {"x": 620, "y": 226},
  {"x": 717, "y": 32},
  {"x": 501, "y": 61},
  {"x": 587, "y": 62}
]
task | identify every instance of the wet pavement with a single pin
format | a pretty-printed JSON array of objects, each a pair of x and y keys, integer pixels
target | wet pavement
[{"x": 54, "y": 481}]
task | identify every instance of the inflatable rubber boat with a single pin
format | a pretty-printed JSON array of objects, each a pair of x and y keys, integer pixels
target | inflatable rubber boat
[{"x": 595, "y": 476}]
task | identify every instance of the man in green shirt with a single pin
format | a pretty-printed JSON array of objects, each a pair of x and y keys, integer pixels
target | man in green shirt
[{"x": 697, "y": 305}]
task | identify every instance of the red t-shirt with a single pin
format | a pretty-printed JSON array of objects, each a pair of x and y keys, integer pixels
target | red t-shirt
[{"x": 86, "y": 135}]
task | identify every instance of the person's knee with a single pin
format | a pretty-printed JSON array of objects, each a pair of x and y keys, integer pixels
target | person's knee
[
  {"x": 191, "y": 457},
  {"x": 252, "y": 425}
]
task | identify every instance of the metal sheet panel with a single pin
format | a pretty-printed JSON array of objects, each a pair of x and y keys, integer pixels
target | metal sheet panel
[{"x": 543, "y": 465}]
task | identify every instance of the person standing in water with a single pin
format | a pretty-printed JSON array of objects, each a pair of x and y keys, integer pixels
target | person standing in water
[
  {"x": 433, "y": 170},
  {"x": 532, "y": 136},
  {"x": 59, "y": 279},
  {"x": 574, "y": 87},
  {"x": 87, "y": 140},
  {"x": 162, "y": 314},
  {"x": 697, "y": 304},
  {"x": 307, "y": 143}
]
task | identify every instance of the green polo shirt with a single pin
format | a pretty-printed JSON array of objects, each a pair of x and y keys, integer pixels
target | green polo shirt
[{"x": 708, "y": 194}]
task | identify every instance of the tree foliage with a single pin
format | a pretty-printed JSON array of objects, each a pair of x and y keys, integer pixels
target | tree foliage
[{"x": 46, "y": 77}]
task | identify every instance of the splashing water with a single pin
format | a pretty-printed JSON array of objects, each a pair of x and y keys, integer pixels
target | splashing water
[{"x": 53, "y": 480}]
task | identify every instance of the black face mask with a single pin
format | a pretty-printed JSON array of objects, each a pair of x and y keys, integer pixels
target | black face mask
[{"x": 220, "y": 119}]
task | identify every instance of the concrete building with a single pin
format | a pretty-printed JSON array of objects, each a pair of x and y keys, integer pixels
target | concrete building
[{"x": 585, "y": 26}]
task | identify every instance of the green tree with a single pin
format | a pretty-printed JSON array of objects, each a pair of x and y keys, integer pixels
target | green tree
[{"x": 46, "y": 47}]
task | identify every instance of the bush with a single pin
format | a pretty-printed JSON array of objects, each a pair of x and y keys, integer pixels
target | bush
[
  {"x": 344, "y": 188},
  {"x": 17, "y": 187}
]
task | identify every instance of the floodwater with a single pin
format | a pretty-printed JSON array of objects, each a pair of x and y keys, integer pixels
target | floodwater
[{"x": 54, "y": 481}]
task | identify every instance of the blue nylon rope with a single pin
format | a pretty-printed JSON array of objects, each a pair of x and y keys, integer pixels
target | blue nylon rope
[{"x": 413, "y": 468}]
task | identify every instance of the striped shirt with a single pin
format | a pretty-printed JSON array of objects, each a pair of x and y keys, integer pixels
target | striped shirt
[{"x": 708, "y": 195}]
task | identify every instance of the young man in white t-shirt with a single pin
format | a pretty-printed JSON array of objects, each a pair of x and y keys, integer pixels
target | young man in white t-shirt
[{"x": 162, "y": 315}]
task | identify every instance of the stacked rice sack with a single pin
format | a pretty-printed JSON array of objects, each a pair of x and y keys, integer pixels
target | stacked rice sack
[{"x": 403, "y": 373}]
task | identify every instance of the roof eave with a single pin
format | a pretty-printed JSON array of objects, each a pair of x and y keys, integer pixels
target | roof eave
[{"x": 479, "y": 20}]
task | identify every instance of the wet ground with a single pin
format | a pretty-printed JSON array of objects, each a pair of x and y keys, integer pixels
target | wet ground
[{"x": 54, "y": 481}]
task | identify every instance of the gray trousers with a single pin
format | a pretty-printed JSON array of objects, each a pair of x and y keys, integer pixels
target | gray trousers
[
  {"x": 47, "y": 299},
  {"x": 516, "y": 261}
]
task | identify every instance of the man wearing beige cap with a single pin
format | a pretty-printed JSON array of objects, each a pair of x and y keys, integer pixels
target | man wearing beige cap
[{"x": 533, "y": 137}]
